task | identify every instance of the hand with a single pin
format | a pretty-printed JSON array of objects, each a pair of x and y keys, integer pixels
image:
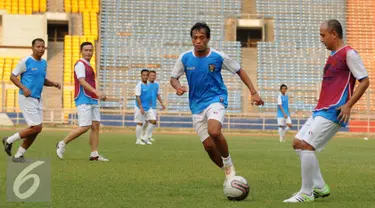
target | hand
[
  {"x": 285, "y": 116},
  {"x": 181, "y": 90},
  {"x": 344, "y": 115},
  {"x": 256, "y": 100},
  {"x": 162, "y": 107},
  {"x": 143, "y": 111},
  {"x": 26, "y": 92},
  {"x": 57, "y": 85},
  {"x": 101, "y": 95}
]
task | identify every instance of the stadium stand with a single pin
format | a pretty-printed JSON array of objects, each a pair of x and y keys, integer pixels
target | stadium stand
[
  {"x": 149, "y": 34},
  {"x": 297, "y": 57}
]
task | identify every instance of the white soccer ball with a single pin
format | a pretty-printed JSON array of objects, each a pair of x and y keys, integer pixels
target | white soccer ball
[
  {"x": 365, "y": 138},
  {"x": 236, "y": 188}
]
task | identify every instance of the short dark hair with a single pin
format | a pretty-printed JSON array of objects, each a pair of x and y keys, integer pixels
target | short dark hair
[
  {"x": 283, "y": 85},
  {"x": 334, "y": 25},
  {"x": 153, "y": 71},
  {"x": 201, "y": 25},
  {"x": 145, "y": 70},
  {"x": 85, "y": 44},
  {"x": 35, "y": 40}
]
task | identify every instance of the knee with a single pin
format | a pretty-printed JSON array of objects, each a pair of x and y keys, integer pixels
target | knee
[
  {"x": 296, "y": 144},
  {"x": 37, "y": 129},
  {"x": 306, "y": 146},
  {"x": 95, "y": 126},
  {"x": 209, "y": 146},
  {"x": 214, "y": 133}
]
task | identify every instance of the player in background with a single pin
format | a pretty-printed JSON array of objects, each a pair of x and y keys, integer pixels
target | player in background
[
  {"x": 86, "y": 96},
  {"x": 337, "y": 97},
  {"x": 155, "y": 95},
  {"x": 143, "y": 108},
  {"x": 283, "y": 113},
  {"x": 208, "y": 94},
  {"x": 32, "y": 70}
]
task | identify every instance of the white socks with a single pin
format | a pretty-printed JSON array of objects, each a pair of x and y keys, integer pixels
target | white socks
[
  {"x": 298, "y": 152},
  {"x": 150, "y": 127},
  {"x": 286, "y": 130},
  {"x": 281, "y": 134},
  {"x": 13, "y": 138},
  {"x": 138, "y": 132},
  {"x": 227, "y": 161},
  {"x": 20, "y": 152},
  {"x": 318, "y": 178},
  {"x": 94, "y": 154},
  {"x": 308, "y": 170}
]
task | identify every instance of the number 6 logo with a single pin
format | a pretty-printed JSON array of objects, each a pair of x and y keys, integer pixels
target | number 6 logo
[{"x": 23, "y": 177}]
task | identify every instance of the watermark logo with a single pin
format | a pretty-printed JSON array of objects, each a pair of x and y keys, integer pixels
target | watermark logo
[{"x": 29, "y": 181}]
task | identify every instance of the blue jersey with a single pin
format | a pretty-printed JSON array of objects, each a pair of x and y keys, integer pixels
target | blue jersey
[
  {"x": 154, "y": 90},
  {"x": 283, "y": 100},
  {"x": 206, "y": 85},
  {"x": 143, "y": 91},
  {"x": 33, "y": 75}
]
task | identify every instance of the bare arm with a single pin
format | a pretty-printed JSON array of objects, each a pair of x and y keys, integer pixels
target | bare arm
[
  {"x": 161, "y": 101},
  {"x": 246, "y": 80},
  {"x": 88, "y": 87},
  {"x": 249, "y": 84},
  {"x": 360, "y": 90},
  {"x": 17, "y": 82},
  {"x": 49, "y": 83},
  {"x": 175, "y": 83},
  {"x": 177, "y": 86}
]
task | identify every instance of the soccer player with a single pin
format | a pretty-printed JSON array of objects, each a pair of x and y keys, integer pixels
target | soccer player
[
  {"x": 283, "y": 115},
  {"x": 143, "y": 108},
  {"x": 86, "y": 98},
  {"x": 337, "y": 97},
  {"x": 32, "y": 70},
  {"x": 155, "y": 94},
  {"x": 208, "y": 94}
]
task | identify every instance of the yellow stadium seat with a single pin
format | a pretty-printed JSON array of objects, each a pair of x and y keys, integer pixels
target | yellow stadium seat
[
  {"x": 2, "y": 4},
  {"x": 81, "y": 5},
  {"x": 88, "y": 5},
  {"x": 43, "y": 6},
  {"x": 8, "y": 6},
  {"x": 10, "y": 100},
  {"x": 35, "y": 5},
  {"x": 75, "y": 6}
]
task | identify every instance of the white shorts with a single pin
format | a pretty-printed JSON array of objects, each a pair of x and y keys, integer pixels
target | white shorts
[
  {"x": 214, "y": 111},
  {"x": 32, "y": 110},
  {"x": 87, "y": 114},
  {"x": 284, "y": 121},
  {"x": 317, "y": 132},
  {"x": 140, "y": 118}
]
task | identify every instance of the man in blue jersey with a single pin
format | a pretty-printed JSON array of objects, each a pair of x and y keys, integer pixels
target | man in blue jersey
[
  {"x": 338, "y": 95},
  {"x": 143, "y": 107},
  {"x": 208, "y": 94},
  {"x": 155, "y": 95},
  {"x": 32, "y": 70},
  {"x": 283, "y": 113},
  {"x": 86, "y": 96}
]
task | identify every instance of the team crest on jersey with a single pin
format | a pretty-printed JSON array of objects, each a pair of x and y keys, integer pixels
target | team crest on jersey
[{"x": 211, "y": 67}]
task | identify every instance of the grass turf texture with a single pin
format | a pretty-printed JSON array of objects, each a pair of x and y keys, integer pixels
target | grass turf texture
[{"x": 176, "y": 172}]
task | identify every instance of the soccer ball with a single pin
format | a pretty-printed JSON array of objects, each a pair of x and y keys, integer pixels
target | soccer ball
[{"x": 236, "y": 188}]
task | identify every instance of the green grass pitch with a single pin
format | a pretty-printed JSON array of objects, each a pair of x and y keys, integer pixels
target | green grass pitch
[{"x": 175, "y": 172}]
